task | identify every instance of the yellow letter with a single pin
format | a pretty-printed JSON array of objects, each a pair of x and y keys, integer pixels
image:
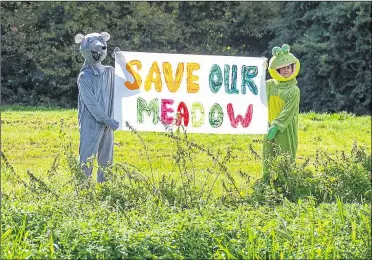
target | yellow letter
[
  {"x": 191, "y": 86},
  {"x": 137, "y": 78},
  {"x": 151, "y": 79},
  {"x": 173, "y": 85}
]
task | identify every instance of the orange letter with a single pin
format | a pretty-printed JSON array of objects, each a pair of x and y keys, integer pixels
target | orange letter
[
  {"x": 191, "y": 86},
  {"x": 137, "y": 78},
  {"x": 151, "y": 79},
  {"x": 173, "y": 85}
]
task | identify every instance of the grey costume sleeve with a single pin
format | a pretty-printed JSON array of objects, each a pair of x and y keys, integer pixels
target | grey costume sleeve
[{"x": 90, "y": 101}]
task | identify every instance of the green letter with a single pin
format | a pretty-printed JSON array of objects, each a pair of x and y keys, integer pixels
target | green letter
[
  {"x": 215, "y": 78},
  {"x": 197, "y": 106},
  {"x": 248, "y": 73},
  {"x": 233, "y": 89},
  {"x": 152, "y": 107},
  {"x": 216, "y": 120}
]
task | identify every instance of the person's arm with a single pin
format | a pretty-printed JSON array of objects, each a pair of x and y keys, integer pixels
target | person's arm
[
  {"x": 90, "y": 101},
  {"x": 268, "y": 89},
  {"x": 271, "y": 132},
  {"x": 289, "y": 111}
]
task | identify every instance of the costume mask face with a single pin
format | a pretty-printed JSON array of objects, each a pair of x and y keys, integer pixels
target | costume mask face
[
  {"x": 93, "y": 46},
  {"x": 282, "y": 58}
]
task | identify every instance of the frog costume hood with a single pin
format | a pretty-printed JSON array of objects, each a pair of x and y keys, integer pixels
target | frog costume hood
[{"x": 282, "y": 58}]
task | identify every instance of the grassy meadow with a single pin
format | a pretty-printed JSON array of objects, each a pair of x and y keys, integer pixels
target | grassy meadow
[{"x": 177, "y": 196}]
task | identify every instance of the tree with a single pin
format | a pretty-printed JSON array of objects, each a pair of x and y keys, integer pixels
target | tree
[
  {"x": 333, "y": 42},
  {"x": 40, "y": 61}
]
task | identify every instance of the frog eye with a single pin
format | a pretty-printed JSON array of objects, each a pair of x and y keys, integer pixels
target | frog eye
[
  {"x": 276, "y": 51},
  {"x": 286, "y": 48}
]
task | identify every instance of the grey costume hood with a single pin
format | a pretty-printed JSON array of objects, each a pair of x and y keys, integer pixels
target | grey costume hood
[{"x": 93, "y": 47}]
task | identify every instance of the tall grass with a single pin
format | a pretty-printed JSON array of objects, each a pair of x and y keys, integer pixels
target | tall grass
[{"x": 193, "y": 201}]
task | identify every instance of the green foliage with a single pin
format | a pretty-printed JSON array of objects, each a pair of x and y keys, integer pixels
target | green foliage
[
  {"x": 41, "y": 62},
  {"x": 343, "y": 176},
  {"x": 333, "y": 43},
  {"x": 93, "y": 230},
  {"x": 195, "y": 202}
]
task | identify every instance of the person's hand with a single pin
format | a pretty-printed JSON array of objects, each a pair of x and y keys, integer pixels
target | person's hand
[
  {"x": 112, "y": 123},
  {"x": 266, "y": 62},
  {"x": 117, "y": 53},
  {"x": 272, "y": 132}
]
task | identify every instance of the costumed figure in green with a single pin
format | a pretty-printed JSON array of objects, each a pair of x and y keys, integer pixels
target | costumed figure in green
[{"x": 283, "y": 98}]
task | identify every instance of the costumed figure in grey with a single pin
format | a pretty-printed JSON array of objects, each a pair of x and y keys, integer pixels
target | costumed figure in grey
[{"x": 95, "y": 103}]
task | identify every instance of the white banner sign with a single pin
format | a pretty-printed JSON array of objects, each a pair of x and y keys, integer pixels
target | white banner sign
[{"x": 204, "y": 94}]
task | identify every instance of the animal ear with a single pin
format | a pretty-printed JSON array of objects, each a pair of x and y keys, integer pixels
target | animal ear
[
  {"x": 79, "y": 38},
  {"x": 286, "y": 48},
  {"x": 105, "y": 35},
  {"x": 276, "y": 51}
]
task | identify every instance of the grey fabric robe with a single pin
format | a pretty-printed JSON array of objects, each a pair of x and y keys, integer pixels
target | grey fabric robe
[
  {"x": 95, "y": 104},
  {"x": 96, "y": 92}
]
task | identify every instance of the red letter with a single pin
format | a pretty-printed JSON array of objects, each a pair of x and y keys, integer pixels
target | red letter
[
  {"x": 165, "y": 110},
  {"x": 234, "y": 121},
  {"x": 184, "y": 114}
]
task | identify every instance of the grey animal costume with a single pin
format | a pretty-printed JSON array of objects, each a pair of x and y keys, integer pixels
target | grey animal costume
[{"x": 95, "y": 103}]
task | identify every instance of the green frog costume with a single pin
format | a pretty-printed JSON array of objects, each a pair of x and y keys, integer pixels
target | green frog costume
[{"x": 283, "y": 97}]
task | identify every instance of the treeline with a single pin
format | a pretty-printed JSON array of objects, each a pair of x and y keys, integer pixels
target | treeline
[{"x": 40, "y": 61}]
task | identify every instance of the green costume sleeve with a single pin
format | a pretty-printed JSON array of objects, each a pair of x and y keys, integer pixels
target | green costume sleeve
[
  {"x": 268, "y": 89},
  {"x": 290, "y": 110}
]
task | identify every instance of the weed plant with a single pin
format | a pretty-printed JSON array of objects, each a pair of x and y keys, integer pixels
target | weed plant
[{"x": 312, "y": 208}]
